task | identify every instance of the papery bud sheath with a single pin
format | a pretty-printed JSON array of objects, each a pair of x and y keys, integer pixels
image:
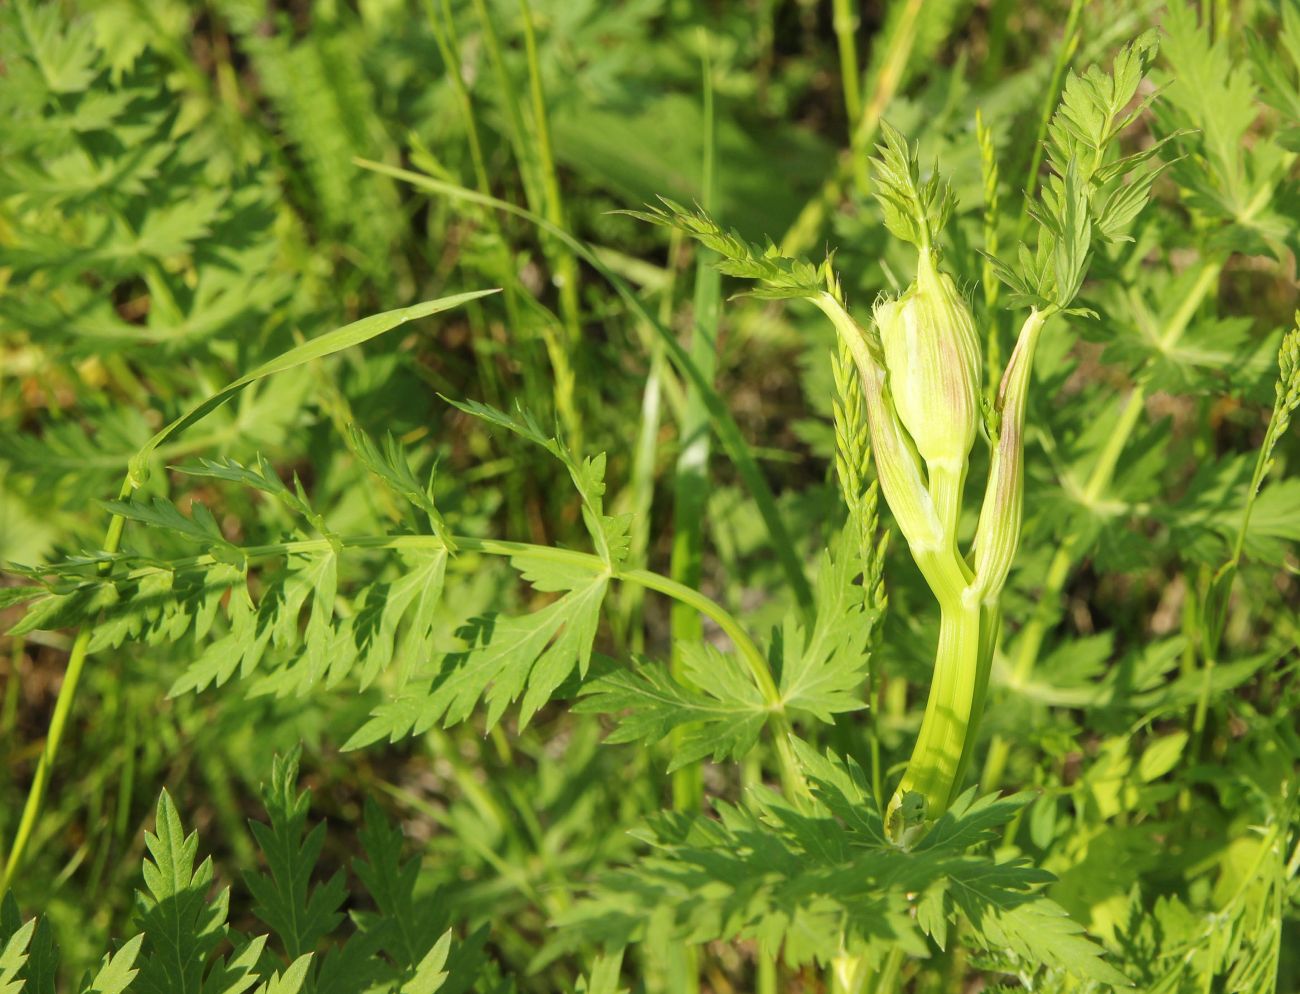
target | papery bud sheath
[{"x": 997, "y": 535}]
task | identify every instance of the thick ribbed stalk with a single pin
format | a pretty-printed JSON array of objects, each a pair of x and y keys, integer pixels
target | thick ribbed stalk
[
  {"x": 990, "y": 629},
  {"x": 941, "y": 743}
]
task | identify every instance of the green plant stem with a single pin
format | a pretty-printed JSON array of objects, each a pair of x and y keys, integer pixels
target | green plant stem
[
  {"x": 845, "y": 19},
  {"x": 691, "y": 476},
  {"x": 716, "y": 613},
  {"x": 887, "y": 981},
  {"x": 1256, "y": 480},
  {"x": 946, "y": 484},
  {"x": 566, "y": 269},
  {"x": 561, "y": 259},
  {"x": 1099, "y": 480},
  {"x": 791, "y": 776},
  {"x": 540, "y": 327},
  {"x": 947, "y": 723},
  {"x": 990, "y": 629},
  {"x": 449, "y": 48},
  {"x": 58, "y": 722},
  {"x": 1212, "y": 612},
  {"x": 641, "y": 483},
  {"x": 1058, "y": 571},
  {"x": 528, "y": 168}
]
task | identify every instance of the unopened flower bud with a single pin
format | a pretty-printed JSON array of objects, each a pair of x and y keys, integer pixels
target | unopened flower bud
[{"x": 933, "y": 359}]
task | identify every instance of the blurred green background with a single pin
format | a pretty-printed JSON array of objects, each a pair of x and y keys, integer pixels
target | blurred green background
[{"x": 179, "y": 200}]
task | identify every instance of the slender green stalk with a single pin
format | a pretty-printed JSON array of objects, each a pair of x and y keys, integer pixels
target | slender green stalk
[
  {"x": 990, "y": 630},
  {"x": 891, "y": 976},
  {"x": 641, "y": 483},
  {"x": 845, "y": 20},
  {"x": 538, "y": 174},
  {"x": 711, "y": 609},
  {"x": 58, "y": 722},
  {"x": 641, "y": 486},
  {"x": 946, "y": 485},
  {"x": 1212, "y": 609},
  {"x": 444, "y": 33},
  {"x": 767, "y": 980},
  {"x": 887, "y": 979},
  {"x": 691, "y": 478},
  {"x": 792, "y": 777},
  {"x": 506, "y": 88},
  {"x": 566, "y": 267}
]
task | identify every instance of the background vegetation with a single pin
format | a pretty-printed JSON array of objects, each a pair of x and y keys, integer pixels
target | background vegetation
[{"x": 181, "y": 200}]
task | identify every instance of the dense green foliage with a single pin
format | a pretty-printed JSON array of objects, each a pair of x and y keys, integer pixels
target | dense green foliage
[{"x": 436, "y": 559}]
